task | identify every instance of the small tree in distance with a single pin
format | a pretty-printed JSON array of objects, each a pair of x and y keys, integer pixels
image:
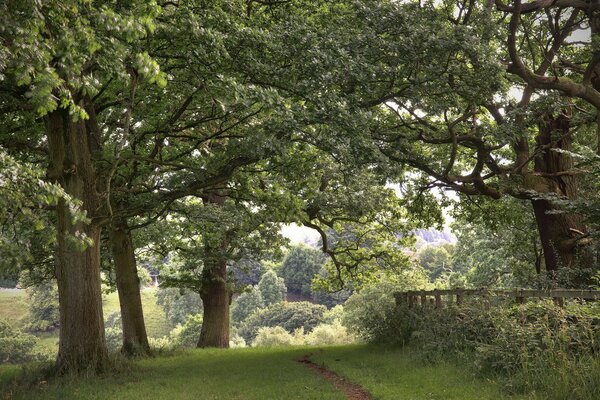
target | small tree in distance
[{"x": 272, "y": 288}]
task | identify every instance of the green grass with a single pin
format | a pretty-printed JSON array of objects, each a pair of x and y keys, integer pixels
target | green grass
[
  {"x": 154, "y": 316},
  {"x": 396, "y": 373},
  {"x": 248, "y": 374},
  {"x": 274, "y": 373},
  {"x": 13, "y": 306}
]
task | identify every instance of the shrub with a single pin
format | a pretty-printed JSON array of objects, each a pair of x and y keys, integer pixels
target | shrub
[
  {"x": 114, "y": 338},
  {"x": 113, "y": 320},
  {"x": 144, "y": 276},
  {"x": 333, "y": 314},
  {"x": 370, "y": 314},
  {"x": 161, "y": 345},
  {"x": 236, "y": 341},
  {"x": 16, "y": 346},
  {"x": 329, "y": 334},
  {"x": 43, "y": 307},
  {"x": 534, "y": 347},
  {"x": 268, "y": 336},
  {"x": 188, "y": 333},
  {"x": 289, "y": 316},
  {"x": 178, "y": 304}
]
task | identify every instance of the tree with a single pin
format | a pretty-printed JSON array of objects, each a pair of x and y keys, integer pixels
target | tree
[
  {"x": 178, "y": 304},
  {"x": 246, "y": 304},
  {"x": 272, "y": 288},
  {"x": 56, "y": 58},
  {"x": 290, "y": 316},
  {"x": 435, "y": 260},
  {"x": 454, "y": 124},
  {"x": 299, "y": 267}
]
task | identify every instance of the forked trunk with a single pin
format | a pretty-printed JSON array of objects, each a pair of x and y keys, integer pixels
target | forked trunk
[
  {"x": 135, "y": 340},
  {"x": 82, "y": 346}
]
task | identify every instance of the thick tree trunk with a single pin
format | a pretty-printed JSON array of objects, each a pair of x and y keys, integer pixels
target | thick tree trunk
[
  {"x": 216, "y": 298},
  {"x": 135, "y": 340},
  {"x": 82, "y": 346},
  {"x": 559, "y": 230},
  {"x": 215, "y": 293}
]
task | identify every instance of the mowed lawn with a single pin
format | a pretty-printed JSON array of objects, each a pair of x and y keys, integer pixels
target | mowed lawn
[{"x": 262, "y": 374}]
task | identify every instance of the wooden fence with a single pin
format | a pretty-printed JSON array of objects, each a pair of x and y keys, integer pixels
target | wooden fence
[{"x": 437, "y": 298}]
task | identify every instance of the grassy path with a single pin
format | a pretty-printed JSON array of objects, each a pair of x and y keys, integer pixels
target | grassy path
[{"x": 270, "y": 374}]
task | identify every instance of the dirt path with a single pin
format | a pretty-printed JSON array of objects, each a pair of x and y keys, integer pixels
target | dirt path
[{"x": 351, "y": 390}]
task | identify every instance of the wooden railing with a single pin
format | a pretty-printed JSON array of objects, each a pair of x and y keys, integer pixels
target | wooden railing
[{"x": 436, "y": 297}]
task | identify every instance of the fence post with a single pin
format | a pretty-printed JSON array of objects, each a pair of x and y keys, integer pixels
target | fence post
[
  {"x": 459, "y": 299},
  {"x": 438, "y": 301},
  {"x": 423, "y": 300},
  {"x": 520, "y": 299},
  {"x": 559, "y": 301}
]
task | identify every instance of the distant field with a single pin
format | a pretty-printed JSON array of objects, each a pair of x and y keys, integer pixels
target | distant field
[
  {"x": 274, "y": 373},
  {"x": 13, "y": 308}
]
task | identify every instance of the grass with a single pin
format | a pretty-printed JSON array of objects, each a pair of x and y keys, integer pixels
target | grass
[
  {"x": 154, "y": 316},
  {"x": 273, "y": 373},
  {"x": 248, "y": 374},
  {"x": 13, "y": 306},
  {"x": 396, "y": 373}
]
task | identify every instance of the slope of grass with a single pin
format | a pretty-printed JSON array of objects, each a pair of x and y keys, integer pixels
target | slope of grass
[
  {"x": 394, "y": 373},
  {"x": 154, "y": 316},
  {"x": 13, "y": 306},
  {"x": 274, "y": 373}
]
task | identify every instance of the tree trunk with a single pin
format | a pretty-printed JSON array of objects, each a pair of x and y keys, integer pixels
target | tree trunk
[
  {"x": 559, "y": 230},
  {"x": 215, "y": 293},
  {"x": 82, "y": 346},
  {"x": 216, "y": 298},
  {"x": 135, "y": 340}
]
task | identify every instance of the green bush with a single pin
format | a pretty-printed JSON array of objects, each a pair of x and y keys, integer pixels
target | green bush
[
  {"x": 113, "y": 320},
  {"x": 178, "y": 304},
  {"x": 290, "y": 316},
  {"x": 114, "y": 338},
  {"x": 43, "y": 307},
  {"x": 188, "y": 333},
  {"x": 270, "y": 336},
  {"x": 371, "y": 315},
  {"x": 329, "y": 334},
  {"x": 535, "y": 347},
  {"x": 16, "y": 346}
]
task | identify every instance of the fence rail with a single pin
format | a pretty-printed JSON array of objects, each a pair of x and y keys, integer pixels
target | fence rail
[{"x": 435, "y": 297}]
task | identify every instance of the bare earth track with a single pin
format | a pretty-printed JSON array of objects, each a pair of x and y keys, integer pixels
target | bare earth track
[{"x": 351, "y": 390}]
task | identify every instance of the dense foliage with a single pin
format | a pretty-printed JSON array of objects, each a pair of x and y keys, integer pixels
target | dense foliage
[{"x": 289, "y": 316}]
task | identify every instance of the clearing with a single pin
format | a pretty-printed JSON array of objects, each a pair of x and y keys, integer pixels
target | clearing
[{"x": 273, "y": 373}]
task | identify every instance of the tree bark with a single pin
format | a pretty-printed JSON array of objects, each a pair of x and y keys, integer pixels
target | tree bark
[
  {"x": 135, "y": 340},
  {"x": 82, "y": 345},
  {"x": 216, "y": 298},
  {"x": 558, "y": 229},
  {"x": 215, "y": 293}
]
